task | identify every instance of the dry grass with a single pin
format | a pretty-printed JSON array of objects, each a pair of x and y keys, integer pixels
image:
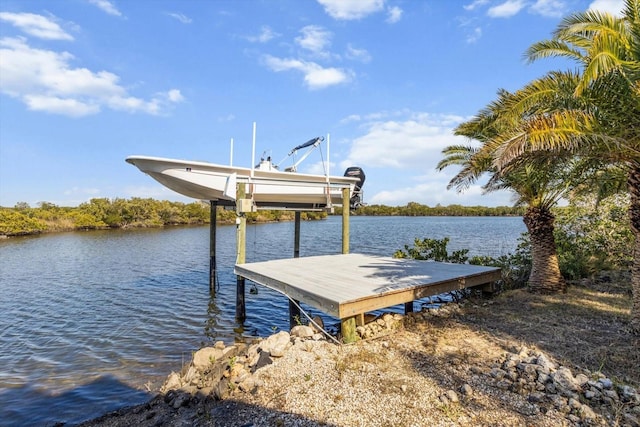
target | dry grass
[{"x": 585, "y": 328}]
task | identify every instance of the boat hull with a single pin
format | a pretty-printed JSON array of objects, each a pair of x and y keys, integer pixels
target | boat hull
[{"x": 268, "y": 189}]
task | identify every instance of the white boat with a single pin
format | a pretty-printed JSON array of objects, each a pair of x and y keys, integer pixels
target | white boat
[{"x": 267, "y": 186}]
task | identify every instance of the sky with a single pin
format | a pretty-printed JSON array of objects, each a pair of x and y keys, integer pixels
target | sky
[{"x": 86, "y": 83}]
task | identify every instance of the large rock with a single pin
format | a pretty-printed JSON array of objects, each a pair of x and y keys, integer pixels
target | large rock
[
  {"x": 205, "y": 357},
  {"x": 173, "y": 382},
  {"x": 264, "y": 359},
  {"x": 302, "y": 331},
  {"x": 276, "y": 345},
  {"x": 564, "y": 380},
  {"x": 544, "y": 362}
]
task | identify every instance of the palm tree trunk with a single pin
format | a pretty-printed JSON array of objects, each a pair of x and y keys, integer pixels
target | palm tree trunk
[
  {"x": 634, "y": 216},
  {"x": 545, "y": 272}
]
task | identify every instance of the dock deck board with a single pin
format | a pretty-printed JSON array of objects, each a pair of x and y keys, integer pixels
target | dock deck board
[{"x": 351, "y": 284}]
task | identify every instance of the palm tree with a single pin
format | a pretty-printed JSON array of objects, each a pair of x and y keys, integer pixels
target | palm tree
[
  {"x": 606, "y": 129},
  {"x": 538, "y": 181},
  {"x": 534, "y": 189}
]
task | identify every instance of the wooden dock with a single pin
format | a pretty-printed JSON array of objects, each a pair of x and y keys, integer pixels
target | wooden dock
[{"x": 348, "y": 285}]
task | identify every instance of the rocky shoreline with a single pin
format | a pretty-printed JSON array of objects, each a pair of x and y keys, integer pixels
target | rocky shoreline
[{"x": 425, "y": 368}]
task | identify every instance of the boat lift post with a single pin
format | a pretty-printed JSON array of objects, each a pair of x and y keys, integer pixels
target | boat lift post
[
  {"x": 213, "y": 206},
  {"x": 345, "y": 220},
  {"x": 241, "y": 233},
  {"x": 241, "y": 239},
  {"x": 294, "y": 307},
  {"x": 348, "y": 325}
]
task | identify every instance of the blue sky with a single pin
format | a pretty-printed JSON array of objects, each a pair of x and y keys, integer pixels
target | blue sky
[{"x": 86, "y": 83}]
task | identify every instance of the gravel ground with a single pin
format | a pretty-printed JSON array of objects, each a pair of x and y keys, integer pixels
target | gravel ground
[{"x": 435, "y": 368}]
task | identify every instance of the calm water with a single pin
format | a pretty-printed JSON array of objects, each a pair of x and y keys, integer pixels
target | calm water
[{"x": 90, "y": 322}]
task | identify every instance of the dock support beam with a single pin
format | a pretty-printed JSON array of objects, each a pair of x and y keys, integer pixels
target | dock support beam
[
  {"x": 345, "y": 220},
  {"x": 213, "y": 205},
  {"x": 348, "y": 329},
  {"x": 294, "y": 310},
  {"x": 348, "y": 325},
  {"x": 241, "y": 239}
]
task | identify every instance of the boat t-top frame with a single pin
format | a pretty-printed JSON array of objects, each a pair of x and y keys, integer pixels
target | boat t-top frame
[{"x": 312, "y": 144}]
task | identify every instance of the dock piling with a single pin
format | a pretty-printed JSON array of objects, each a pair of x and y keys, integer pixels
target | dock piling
[
  {"x": 345, "y": 220},
  {"x": 241, "y": 239},
  {"x": 294, "y": 308},
  {"x": 213, "y": 204},
  {"x": 347, "y": 326}
]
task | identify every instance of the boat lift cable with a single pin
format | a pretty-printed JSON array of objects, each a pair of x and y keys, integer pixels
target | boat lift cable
[
  {"x": 324, "y": 166},
  {"x": 312, "y": 321},
  {"x": 324, "y": 331}
]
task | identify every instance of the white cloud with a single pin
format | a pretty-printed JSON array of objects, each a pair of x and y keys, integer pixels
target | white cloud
[
  {"x": 107, "y": 7},
  {"x": 318, "y": 168},
  {"x": 314, "y": 39},
  {"x": 394, "y": 14},
  {"x": 361, "y": 55},
  {"x": 352, "y": 118},
  {"x": 475, "y": 35},
  {"x": 174, "y": 95},
  {"x": 45, "y": 80},
  {"x": 351, "y": 9},
  {"x": 36, "y": 25},
  {"x": 399, "y": 152},
  {"x": 266, "y": 34},
  {"x": 507, "y": 9},
  {"x": 549, "y": 8},
  {"x": 412, "y": 142},
  {"x": 475, "y": 4},
  {"x": 315, "y": 76},
  {"x": 65, "y": 106},
  {"x": 614, "y": 7},
  {"x": 180, "y": 17},
  {"x": 228, "y": 118},
  {"x": 432, "y": 193}
]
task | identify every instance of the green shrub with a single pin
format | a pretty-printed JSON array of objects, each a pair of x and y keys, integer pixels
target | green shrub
[
  {"x": 515, "y": 267},
  {"x": 591, "y": 236},
  {"x": 434, "y": 250},
  {"x": 14, "y": 223}
]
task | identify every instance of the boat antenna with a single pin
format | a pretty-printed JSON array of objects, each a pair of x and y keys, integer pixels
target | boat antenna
[{"x": 231, "y": 154}]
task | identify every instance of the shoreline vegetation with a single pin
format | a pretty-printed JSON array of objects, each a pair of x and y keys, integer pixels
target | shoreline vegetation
[{"x": 104, "y": 213}]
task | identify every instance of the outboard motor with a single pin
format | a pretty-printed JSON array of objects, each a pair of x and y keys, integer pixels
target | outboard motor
[{"x": 356, "y": 199}]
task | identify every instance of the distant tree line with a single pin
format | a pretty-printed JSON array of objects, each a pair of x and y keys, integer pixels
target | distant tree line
[
  {"x": 416, "y": 209},
  {"x": 104, "y": 213}
]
